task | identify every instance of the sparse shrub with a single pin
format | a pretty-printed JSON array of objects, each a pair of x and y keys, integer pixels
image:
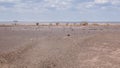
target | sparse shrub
[
  {"x": 95, "y": 24},
  {"x": 84, "y": 23},
  {"x": 57, "y": 23},
  {"x": 67, "y": 24},
  {"x": 107, "y": 24},
  {"x": 74, "y": 24},
  {"x": 3, "y": 25}
]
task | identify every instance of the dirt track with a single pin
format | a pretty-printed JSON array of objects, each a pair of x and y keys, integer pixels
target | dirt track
[{"x": 51, "y": 47}]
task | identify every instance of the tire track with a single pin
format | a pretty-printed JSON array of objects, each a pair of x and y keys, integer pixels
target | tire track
[{"x": 9, "y": 57}]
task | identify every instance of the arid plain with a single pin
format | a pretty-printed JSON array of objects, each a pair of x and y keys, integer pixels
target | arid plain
[{"x": 60, "y": 46}]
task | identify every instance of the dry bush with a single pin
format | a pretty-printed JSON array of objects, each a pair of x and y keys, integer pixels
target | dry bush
[
  {"x": 84, "y": 24},
  {"x": 5, "y": 25},
  {"x": 107, "y": 24},
  {"x": 74, "y": 24},
  {"x": 67, "y": 24},
  {"x": 57, "y": 23}
]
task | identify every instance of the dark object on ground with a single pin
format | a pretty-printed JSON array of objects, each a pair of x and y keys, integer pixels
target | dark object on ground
[
  {"x": 68, "y": 34},
  {"x": 37, "y": 24}
]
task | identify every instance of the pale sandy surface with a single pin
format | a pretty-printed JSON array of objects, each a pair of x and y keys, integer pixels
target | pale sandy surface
[{"x": 51, "y": 47}]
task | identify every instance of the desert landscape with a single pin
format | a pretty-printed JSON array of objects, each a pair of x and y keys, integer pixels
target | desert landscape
[{"x": 60, "y": 46}]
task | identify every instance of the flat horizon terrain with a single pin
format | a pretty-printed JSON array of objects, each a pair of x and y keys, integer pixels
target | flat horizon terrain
[{"x": 60, "y": 47}]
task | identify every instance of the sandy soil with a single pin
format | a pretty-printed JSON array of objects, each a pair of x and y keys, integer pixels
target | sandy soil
[{"x": 60, "y": 47}]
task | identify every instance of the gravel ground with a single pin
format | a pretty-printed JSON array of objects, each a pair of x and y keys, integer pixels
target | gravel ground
[{"x": 60, "y": 47}]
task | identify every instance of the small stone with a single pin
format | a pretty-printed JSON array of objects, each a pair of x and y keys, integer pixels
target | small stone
[{"x": 68, "y": 34}]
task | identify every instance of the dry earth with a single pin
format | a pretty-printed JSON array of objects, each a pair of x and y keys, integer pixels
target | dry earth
[{"x": 60, "y": 47}]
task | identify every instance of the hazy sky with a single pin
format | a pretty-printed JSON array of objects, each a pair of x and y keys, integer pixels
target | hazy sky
[{"x": 60, "y": 10}]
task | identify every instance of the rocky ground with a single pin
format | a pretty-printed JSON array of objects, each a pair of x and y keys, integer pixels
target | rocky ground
[{"x": 60, "y": 47}]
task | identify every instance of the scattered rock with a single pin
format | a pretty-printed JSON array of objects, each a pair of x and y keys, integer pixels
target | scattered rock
[{"x": 68, "y": 34}]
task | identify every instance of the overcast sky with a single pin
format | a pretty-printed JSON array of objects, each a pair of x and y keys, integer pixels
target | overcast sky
[{"x": 60, "y": 10}]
